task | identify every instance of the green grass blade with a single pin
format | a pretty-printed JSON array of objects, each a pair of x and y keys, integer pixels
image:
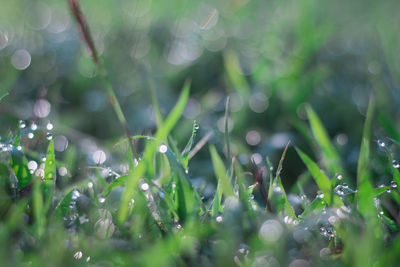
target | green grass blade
[
  {"x": 220, "y": 173},
  {"x": 189, "y": 145},
  {"x": 330, "y": 155},
  {"x": 19, "y": 164},
  {"x": 323, "y": 182},
  {"x": 38, "y": 208},
  {"x": 365, "y": 196},
  {"x": 50, "y": 173},
  {"x": 175, "y": 114}
]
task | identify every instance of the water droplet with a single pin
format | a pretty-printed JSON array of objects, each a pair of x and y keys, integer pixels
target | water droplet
[
  {"x": 339, "y": 177},
  {"x": 145, "y": 186},
  {"x": 22, "y": 124},
  {"x": 31, "y": 135},
  {"x": 320, "y": 195},
  {"x": 88, "y": 259},
  {"x": 393, "y": 184},
  {"x": 99, "y": 157},
  {"x": 102, "y": 200},
  {"x": 75, "y": 194},
  {"x": 131, "y": 202},
  {"x": 49, "y": 126},
  {"x": 78, "y": 255},
  {"x": 43, "y": 159},
  {"x": 345, "y": 185},
  {"x": 19, "y": 148},
  {"x": 32, "y": 165},
  {"x": 388, "y": 190},
  {"x": 162, "y": 149},
  {"x": 90, "y": 185},
  {"x": 339, "y": 190},
  {"x": 218, "y": 218},
  {"x": 49, "y": 136},
  {"x": 381, "y": 143},
  {"x": 34, "y": 126},
  {"x": 396, "y": 164}
]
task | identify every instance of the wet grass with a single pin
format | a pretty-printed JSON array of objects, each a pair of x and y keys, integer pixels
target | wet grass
[{"x": 155, "y": 213}]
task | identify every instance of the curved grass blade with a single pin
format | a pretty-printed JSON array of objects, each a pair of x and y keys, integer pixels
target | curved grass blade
[
  {"x": 189, "y": 145},
  {"x": 220, "y": 173},
  {"x": 162, "y": 133},
  {"x": 323, "y": 182},
  {"x": 330, "y": 155}
]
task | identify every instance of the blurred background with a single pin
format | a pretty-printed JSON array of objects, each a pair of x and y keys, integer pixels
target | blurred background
[{"x": 270, "y": 57}]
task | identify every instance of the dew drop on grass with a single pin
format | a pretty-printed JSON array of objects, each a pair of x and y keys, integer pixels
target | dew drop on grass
[
  {"x": 339, "y": 177},
  {"x": 88, "y": 259},
  {"x": 49, "y": 136},
  {"x": 144, "y": 186},
  {"x": 78, "y": 255},
  {"x": 218, "y": 218},
  {"x": 49, "y": 126},
  {"x": 34, "y": 126},
  {"x": 396, "y": 164},
  {"x": 388, "y": 190},
  {"x": 19, "y": 148},
  {"x": 102, "y": 200},
  {"x": 393, "y": 184},
  {"x": 162, "y": 149},
  {"x": 75, "y": 194},
  {"x": 62, "y": 171},
  {"x": 90, "y": 185},
  {"x": 381, "y": 143},
  {"x": 320, "y": 195},
  {"x": 31, "y": 135},
  {"x": 22, "y": 124}
]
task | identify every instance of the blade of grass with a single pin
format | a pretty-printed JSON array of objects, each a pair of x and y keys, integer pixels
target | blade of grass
[
  {"x": 88, "y": 40},
  {"x": 323, "y": 182},
  {"x": 50, "y": 174},
  {"x": 329, "y": 154}
]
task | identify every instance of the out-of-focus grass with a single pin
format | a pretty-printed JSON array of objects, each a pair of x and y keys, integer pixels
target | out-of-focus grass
[{"x": 83, "y": 198}]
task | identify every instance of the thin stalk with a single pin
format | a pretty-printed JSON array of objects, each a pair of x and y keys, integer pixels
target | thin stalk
[{"x": 88, "y": 40}]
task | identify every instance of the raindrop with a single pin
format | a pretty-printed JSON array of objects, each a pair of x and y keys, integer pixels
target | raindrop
[
  {"x": 145, "y": 186},
  {"x": 49, "y": 126},
  {"x": 99, "y": 157},
  {"x": 162, "y": 149},
  {"x": 22, "y": 124},
  {"x": 75, "y": 194},
  {"x": 396, "y": 164},
  {"x": 339, "y": 190},
  {"x": 32, "y": 165},
  {"x": 78, "y": 255},
  {"x": 34, "y": 126},
  {"x": 49, "y": 136},
  {"x": 381, "y": 143},
  {"x": 393, "y": 184}
]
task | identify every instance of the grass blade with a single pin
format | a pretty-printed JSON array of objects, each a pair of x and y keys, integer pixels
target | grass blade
[
  {"x": 323, "y": 182},
  {"x": 220, "y": 173},
  {"x": 50, "y": 173},
  {"x": 329, "y": 154}
]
